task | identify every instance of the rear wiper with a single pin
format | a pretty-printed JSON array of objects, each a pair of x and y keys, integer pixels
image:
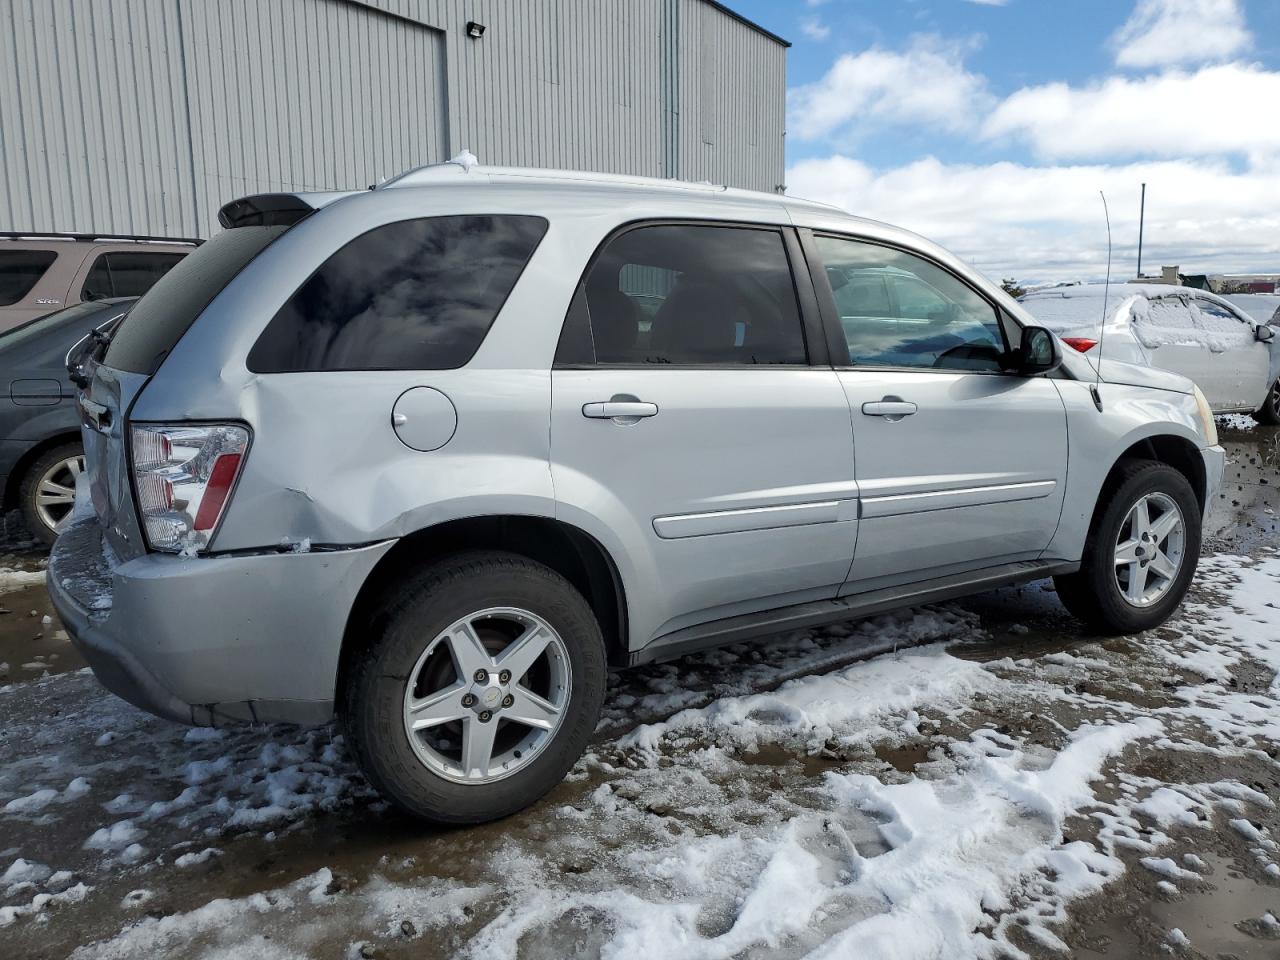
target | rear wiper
[{"x": 94, "y": 349}]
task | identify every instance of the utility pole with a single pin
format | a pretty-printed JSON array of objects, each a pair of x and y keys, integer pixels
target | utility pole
[{"x": 1142, "y": 216}]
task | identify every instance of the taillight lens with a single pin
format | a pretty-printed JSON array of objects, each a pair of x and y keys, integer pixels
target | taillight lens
[
  {"x": 184, "y": 476},
  {"x": 1083, "y": 344}
]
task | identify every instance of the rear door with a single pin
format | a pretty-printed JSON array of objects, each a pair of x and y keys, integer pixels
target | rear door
[
  {"x": 1239, "y": 365},
  {"x": 1173, "y": 340},
  {"x": 960, "y": 465},
  {"x": 694, "y": 415}
]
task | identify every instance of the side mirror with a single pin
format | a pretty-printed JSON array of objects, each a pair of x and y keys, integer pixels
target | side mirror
[
  {"x": 1038, "y": 352},
  {"x": 1265, "y": 333}
]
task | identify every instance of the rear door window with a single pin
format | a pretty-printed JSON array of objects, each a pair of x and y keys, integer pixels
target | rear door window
[
  {"x": 126, "y": 274},
  {"x": 158, "y": 321},
  {"x": 20, "y": 270},
  {"x": 1164, "y": 321},
  {"x": 413, "y": 295},
  {"x": 687, "y": 294}
]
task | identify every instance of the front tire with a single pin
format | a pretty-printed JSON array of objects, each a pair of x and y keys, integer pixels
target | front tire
[
  {"x": 479, "y": 689},
  {"x": 1141, "y": 553},
  {"x": 1269, "y": 412},
  {"x": 48, "y": 492}
]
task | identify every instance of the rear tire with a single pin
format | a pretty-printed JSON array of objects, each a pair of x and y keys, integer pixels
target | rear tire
[
  {"x": 418, "y": 719},
  {"x": 1269, "y": 412},
  {"x": 1141, "y": 553},
  {"x": 47, "y": 494}
]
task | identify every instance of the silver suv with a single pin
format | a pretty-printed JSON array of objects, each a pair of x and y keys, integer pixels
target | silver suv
[{"x": 435, "y": 456}]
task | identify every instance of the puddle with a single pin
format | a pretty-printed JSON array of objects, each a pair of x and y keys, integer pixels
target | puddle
[
  {"x": 1219, "y": 915},
  {"x": 32, "y": 641}
]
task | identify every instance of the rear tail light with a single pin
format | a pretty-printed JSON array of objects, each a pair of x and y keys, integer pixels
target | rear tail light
[
  {"x": 184, "y": 475},
  {"x": 1083, "y": 344}
]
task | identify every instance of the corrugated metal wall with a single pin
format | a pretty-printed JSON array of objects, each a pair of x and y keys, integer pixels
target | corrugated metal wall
[{"x": 144, "y": 116}]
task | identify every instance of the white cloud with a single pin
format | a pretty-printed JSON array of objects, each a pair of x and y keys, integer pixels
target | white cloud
[
  {"x": 814, "y": 29},
  {"x": 925, "y": 84},
  {"x": 1168, "y": 32},
  {"x": 1212, "y": 111},
  {"x": 1046, "y": 223},
  {"x": 991, "y": 3}
]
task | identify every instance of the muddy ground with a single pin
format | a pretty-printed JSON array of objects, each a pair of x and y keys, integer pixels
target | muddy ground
[{"x": 144, "y": 839}]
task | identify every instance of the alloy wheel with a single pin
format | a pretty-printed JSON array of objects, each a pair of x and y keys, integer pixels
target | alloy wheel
[
  {"x": 487, "y": 695},
  {"x": 56, "y": 493},
  {"x": 1150, "y": 549}
]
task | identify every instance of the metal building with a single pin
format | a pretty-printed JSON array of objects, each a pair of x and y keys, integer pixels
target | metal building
[{"x": 144, "y": 116}]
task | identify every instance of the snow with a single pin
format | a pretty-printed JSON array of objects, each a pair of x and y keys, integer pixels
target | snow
[
  {"x": 12, "y": 579},
  {"x": 466, "y": 160},
  {"x": 685, "y": 837},
  {"x": 1165, "y": 867},
  {"x": 118, "y": 836},
  {"x": 24, "y": 871}
]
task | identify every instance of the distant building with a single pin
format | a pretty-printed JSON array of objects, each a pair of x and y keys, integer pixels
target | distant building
[
  {"x": 1168, "y": 275},
  {"x": 145, "y": 116},
  {"x": 1245, "y": 283}
]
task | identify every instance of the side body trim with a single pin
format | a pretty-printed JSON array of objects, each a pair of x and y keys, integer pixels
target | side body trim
[{"x": 755, "y": 518}]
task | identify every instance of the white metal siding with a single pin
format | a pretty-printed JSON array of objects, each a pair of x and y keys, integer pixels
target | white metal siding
[{"x": 144, "y": 116}]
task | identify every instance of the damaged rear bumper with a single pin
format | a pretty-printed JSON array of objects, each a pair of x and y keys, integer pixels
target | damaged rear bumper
[{"x": 210, "y": 640}]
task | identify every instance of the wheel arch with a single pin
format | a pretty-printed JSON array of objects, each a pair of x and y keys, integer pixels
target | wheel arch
[
  {"x": 569, "y": 550},
  {"x": 1172, "y": 450}
]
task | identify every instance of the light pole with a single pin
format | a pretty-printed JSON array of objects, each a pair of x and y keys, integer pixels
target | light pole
[{"x": 1142, "y": 216}]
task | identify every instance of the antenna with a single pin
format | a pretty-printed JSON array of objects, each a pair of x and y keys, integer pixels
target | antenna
[{"x": 1106, "y": 294}]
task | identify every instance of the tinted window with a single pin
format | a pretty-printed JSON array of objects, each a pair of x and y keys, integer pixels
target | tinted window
[
  {"x": 158, "y": 321},
  {"x": 695, "y": 295},
  {"x": 413, "y": 295},
  {"x": 900, "y": 310},
  {"x": 124, "y": 274},
  {"x": 19, "y": 271}
]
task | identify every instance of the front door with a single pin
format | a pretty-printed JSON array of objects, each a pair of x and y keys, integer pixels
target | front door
[
  {"x": 689, "y": 428},
  {"x": 960, "y": 464},
  {"x": 1239, "y": 364}
]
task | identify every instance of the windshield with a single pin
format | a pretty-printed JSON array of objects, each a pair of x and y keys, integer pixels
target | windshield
[{"x": 157, "y": 323}]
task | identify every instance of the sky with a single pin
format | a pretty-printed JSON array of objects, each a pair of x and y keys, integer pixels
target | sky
[{"x": 990, "y": 126}]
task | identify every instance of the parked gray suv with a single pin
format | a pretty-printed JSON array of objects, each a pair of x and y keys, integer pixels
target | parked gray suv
[{"x": 435, "y": 456}]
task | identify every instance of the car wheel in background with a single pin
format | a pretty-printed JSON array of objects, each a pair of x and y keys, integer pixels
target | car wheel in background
[
  {"x": 1141, "y": 552},
  {"x": 48, "y": 492},
  {"x": 1269, "y": 412},
  {"x": 480, "y": 687}
]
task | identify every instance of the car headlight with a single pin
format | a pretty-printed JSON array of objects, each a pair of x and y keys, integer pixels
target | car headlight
[{"x": 1206, "y": 419}]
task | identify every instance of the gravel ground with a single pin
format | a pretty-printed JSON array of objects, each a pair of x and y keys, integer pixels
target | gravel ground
[{"x": 978, "y": 778}]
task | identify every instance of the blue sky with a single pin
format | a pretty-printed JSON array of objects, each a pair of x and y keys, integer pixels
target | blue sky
[{"x": 991, "y": 126}]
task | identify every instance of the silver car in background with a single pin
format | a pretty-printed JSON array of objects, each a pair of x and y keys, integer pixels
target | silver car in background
[
  {"x": 1233, "y": 357},
  {"x": 435, "y": 456}
]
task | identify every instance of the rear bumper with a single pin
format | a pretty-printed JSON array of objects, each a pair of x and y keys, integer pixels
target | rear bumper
[{"x": 210, "y": 640}]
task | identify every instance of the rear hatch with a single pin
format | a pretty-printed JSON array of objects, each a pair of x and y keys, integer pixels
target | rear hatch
[{"x": 147, "y": 335}]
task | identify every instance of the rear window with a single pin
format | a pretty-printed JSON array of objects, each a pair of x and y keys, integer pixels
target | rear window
[
  {"x": 20, "y": 270},
  {"x": 158, "y": 321},
  {"x": 413, "y": 295},
  {"x": 126, "y": 274}
]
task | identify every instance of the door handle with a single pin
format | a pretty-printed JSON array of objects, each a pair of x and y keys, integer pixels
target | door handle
[
  {"x": 890, "y": 407},
  {"x": 626, "y": 411}
]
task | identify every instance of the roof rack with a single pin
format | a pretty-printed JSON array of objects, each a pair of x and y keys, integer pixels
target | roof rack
[{"x": 96, "y": 237}]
